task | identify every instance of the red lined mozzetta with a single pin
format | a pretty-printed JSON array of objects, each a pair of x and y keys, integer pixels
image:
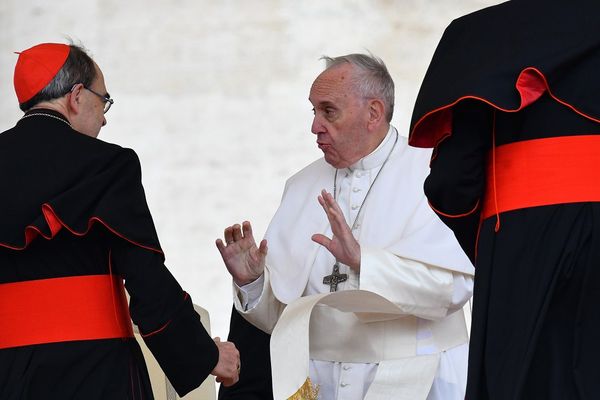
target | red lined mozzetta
[
  {"x": 542, "y": 172},
  {"x": 56, "y": 224},
  {"x": 63, "y": 309},
  {"x": 432, "y": 127}
]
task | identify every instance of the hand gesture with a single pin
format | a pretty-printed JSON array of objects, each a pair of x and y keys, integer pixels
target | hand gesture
[
  {"x": 227, "y": 369},
  {"x": 342, "y": 245},
  {"x": 244, "y": 261}
]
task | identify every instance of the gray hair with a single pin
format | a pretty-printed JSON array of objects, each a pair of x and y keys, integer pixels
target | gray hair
[
  {"x": 78, "y": 68},
  {"x": 373, "y": 79}
]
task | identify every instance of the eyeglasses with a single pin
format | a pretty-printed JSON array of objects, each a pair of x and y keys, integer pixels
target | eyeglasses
[{"x": 105, "y": 98}]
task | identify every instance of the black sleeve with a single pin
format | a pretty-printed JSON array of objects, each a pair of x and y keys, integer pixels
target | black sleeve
[
  {"x": 255, "y": 375},
  {"x": 166, "y": 318},
  {"x": 456, "y": 182}
]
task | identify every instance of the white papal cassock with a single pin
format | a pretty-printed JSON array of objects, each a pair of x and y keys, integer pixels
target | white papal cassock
[{"x": 390, "y": 332}]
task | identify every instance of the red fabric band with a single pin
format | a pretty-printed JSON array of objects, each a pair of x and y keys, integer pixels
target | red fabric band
[
  {"x": 63, "y": 309},
  {"x": 542, "y": 172}
]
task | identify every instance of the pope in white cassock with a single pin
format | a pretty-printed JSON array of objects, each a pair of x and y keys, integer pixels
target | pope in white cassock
[{"x": 361, "y": 284}]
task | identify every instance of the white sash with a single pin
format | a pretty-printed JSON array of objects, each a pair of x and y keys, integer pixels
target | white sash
[{"x": 358, "y": 326}]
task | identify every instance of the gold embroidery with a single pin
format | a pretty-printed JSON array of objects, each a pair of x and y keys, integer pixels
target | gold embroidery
[{"x": 307, "y": 391}]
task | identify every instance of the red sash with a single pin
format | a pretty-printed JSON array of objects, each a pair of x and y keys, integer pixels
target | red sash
[
  {"x": 63, "y": 309},
  {"x": 542, "y": 172}
]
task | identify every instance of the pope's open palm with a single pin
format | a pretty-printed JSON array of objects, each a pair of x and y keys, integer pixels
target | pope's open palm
[
  {"x": 243, "y": 259},
  {"x": 342, "y": 244}
]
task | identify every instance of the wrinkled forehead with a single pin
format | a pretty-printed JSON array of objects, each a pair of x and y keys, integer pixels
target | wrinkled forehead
[{"x": 334, "y": 84}]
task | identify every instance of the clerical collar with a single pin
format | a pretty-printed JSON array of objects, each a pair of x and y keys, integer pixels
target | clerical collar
[
  {"x": 45, "y": 113},
  {"x": 377, "y": 156}
]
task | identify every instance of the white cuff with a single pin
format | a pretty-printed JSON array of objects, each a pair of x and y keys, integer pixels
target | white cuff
[
  {"x": 250, "y": 293},
  {"x": 420, "y": 289}
]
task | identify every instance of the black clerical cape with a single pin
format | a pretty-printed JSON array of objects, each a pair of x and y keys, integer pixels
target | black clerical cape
[
  {"x": 511, "y": 105},
  {"x": 74, "y": 212}
]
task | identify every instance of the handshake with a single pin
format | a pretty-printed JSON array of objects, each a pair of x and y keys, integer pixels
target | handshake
[{"x": 227, "y": 370}]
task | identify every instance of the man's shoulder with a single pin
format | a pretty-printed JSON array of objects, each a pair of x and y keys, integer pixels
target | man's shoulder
[
  {"x": 98, "y": 152},
  {"x": 61, "y": 148},
  {"x": 96, "y": 144},
  {"x": 415, "y": 157},
  {"x": 485, "y": 14},
  {"x": 311, "y": 171}
]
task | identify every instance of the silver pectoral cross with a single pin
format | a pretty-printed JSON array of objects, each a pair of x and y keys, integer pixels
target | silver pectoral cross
[{"x": 335, "y": 278}]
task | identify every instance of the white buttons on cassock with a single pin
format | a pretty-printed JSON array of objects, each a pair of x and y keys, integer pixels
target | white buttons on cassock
[
  {"x": 355, "y": 207},
  {"x": 356, "y": 190}
]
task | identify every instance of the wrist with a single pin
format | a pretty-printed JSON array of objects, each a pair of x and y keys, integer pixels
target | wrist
[
  {"x": 246, "y": 280},
  {"x": 356, "y": 260}
]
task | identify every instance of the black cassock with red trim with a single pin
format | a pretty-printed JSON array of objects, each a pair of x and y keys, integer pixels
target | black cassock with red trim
[
  {"x": 74, "y": 206},
  {"x": 504, "y": 56},
  {"x": 505, "y": 84}
]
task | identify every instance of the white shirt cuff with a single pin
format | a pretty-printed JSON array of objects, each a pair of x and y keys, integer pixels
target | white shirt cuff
[{"x": 249, "y": 294}]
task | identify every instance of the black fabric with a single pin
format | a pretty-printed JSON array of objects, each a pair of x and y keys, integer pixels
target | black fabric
[
  {"x": 255, "y": 375},
  {"x": 536, "y": 276},
  {"x": 95, "y": 189},
  {"x": 535, "y": 321},
  {"x": 90, "y": 370},
  {"x": 483, "y": 53},
  {"x": 458, "y": 188},
  {"x": 184, "y": 350},
  {"x": 81, "y": 178}
]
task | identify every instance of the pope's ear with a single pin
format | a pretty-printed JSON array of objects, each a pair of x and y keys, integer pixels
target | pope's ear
[
  {"x": 376, "y": 112},
  {"x": 74, "y": 98}
]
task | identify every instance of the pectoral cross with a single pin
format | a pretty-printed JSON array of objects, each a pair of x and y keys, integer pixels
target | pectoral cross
[{"x": 335, "y": 278}]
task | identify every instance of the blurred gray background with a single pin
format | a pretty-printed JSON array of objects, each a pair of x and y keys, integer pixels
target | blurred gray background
[{"x": 212, "y": 95}]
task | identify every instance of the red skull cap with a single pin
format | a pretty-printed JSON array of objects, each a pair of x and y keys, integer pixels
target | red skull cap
[{"x": 36, "y": 67}]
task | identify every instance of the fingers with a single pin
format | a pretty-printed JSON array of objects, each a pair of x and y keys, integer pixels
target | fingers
[
  {"x": 220, "y": 245},
  {"x": 262, "y": 249},
  {"x": 321, "y": 239},
  {"x": 234, "y": 233},
  {"x": 227, "y": 369},
  {"x": 237, "y": 232},
  {"x": 329, "y": 200},
  {"x": 330, "y": 206},
  {"x": 246, "y": 229},
  {"x": 228, "y": 235},
  {"x": 229, "y": 382},
  {"x": 334, "y": 214}
]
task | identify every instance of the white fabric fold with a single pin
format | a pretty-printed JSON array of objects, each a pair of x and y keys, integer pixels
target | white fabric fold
[{"x": 325, "y": 327}]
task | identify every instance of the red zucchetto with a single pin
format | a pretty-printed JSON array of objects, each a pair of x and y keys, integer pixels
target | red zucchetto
[{"x": 36, "y": 67}]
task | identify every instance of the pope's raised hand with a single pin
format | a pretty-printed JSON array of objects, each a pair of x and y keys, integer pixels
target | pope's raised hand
[
  {"x": 243, "y": 259},
  {"x": 342, "y": 244}
]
